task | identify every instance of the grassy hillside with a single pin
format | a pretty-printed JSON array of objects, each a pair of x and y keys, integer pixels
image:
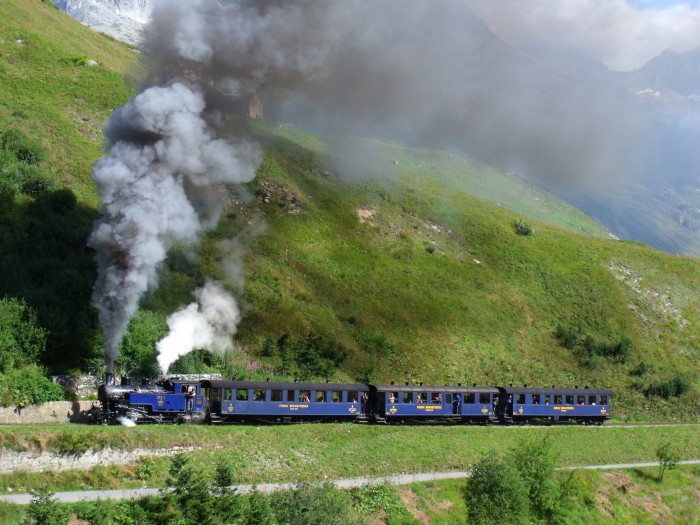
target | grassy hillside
[
  {"x": 414, "y": 273},
  {"x": 50, "y": 92},
  {"x": 407, "y": 257}
]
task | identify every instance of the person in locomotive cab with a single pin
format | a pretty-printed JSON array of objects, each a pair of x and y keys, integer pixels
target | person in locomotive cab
[{"x": 189, "y": 398}]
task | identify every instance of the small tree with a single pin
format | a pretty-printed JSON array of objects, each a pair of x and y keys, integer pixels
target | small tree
[
  {"x": 496, "y": 493},
  {"x": 138, "y": 347},
  {"x": 45, "y": 510},
  {"x": 537, "y": 465},
  {"x": 668, "y": 458}
]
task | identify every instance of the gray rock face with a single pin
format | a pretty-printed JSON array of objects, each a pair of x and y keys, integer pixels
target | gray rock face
[{"x": 121, "y": 19}]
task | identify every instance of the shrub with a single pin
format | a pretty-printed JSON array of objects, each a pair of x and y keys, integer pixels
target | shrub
[
  {"x": 378, "y": 344},
  {"x": 315, "y": 356},
  {"x": 72, "y": 443},
  {"x": 198, "y": 361},
  {"x": 138, "y": 347},
  {"x": 666, "y": 388},
  {"x": 568, "y": 336},
  {"x": 520, "y": 487},
  {"x": 641, "y": 369},
  {"x": 37, "y": 183},
  {"x": 77, "y": 61},
  {"x": 24, "y": 149},
  {"x": 496, "y": 493},
  {"x": 22, "y": 339},
  {"x": 588, "y": 348},
  {"x": 28, "y": 386},
  {"x": 380, "y": 499},
  {"x": 522, "y": 228},
  {"x": 312, "y": 505}
]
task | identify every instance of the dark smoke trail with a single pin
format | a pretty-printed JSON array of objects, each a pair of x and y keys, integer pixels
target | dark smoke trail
[
  {"x": 158, "y": 187},
  {"x": 428, "y": 71}
]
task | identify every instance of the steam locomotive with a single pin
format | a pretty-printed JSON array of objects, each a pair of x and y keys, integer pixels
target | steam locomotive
[{"x": 221, "y": 401}]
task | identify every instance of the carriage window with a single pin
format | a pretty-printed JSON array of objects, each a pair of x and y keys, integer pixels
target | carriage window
[
  {"x": 407, "y": 397},
  {"x": 448, "y": 399},
  {"x": 520, "y": 399},
  {"x": 259, "y": 395},
  {"x": 336, "y": 397},
  {"x": 228, "y": 394},
  {"x": 421, "y": 398},
  {"x": 591, "y": 400},
  {"x": 242, "y": 394},
  {"x": 216, "y": 394},
  {"x": 547, "y": 399},
  {"x": 469, "y": 397},
  {"x": 277, "y": 395},
  {"x": 304, "y": 396},
  {"x": 569, "y": 400},
  {"x": 581, "y": 400},
  {"x": 484, "y": 399},
  {"x": 603, "y": 400},
  {"x": 290, "y": 396},
  {"x": 535, "y": 399},
  {"x": 393, "y": 397},
  {"x": 320, "y": 396},
  {"x": 437, "y": 398},
  {"x": 558, "y": 399}
]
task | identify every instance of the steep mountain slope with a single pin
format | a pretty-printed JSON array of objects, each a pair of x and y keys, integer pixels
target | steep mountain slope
[
  {"x": 408, "y": 257},
  {"x": 60, "y": 82},
  {"x": 432, "y": 284}
]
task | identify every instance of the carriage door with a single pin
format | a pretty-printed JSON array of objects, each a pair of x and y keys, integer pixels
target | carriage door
[
  {"x": 199, "y": 402},
  {"x": 215, "y": 400},
  {"x": 447, "y": 404}
]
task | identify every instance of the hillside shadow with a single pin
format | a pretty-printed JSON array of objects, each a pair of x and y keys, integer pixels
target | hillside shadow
[
  {"x": 45, "y": 261},
  {"x": 646, "y": 476}
]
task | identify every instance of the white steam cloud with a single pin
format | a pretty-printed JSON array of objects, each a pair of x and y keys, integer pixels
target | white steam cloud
[{"x": 209, "y": 324}]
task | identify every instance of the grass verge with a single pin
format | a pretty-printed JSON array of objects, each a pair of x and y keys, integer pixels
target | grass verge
[{"x": 329, "y": 451}]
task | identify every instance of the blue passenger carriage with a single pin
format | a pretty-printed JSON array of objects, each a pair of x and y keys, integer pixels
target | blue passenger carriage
[
  {"x": 398, "y": 403},
  {"x": 583, "y": 405},
  {"x": 244, "y": 401}
]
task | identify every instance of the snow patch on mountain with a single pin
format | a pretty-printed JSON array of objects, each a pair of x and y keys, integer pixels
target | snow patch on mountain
[{"x": 121, "y": 19}]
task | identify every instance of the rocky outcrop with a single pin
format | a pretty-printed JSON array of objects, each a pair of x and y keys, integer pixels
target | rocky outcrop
[{"x": 35, "y": 461}]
